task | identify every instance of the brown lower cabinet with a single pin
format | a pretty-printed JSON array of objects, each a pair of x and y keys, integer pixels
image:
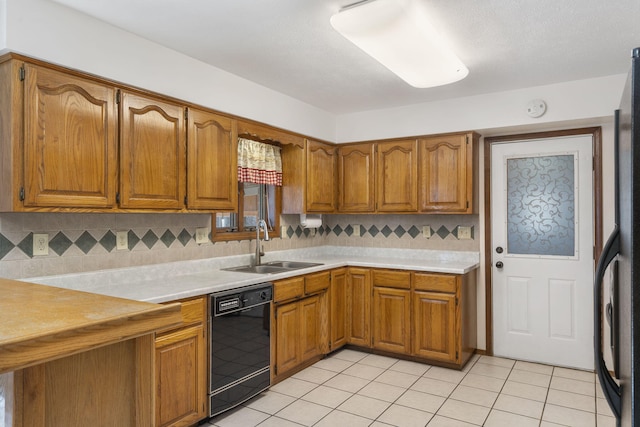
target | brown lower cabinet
[
  {"x": 428, "y": 317},
  {"x": 181, "y": 368},
  {"x": 299, "y": 323}
]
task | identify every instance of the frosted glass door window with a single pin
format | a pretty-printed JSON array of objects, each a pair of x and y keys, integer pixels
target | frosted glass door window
[{"x": 541, "y": 205}]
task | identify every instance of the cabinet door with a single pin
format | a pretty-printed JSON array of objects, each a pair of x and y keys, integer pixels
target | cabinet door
[
  {"x": 287, "y": 337},
  {"x": 181, "y": 377},
  {"x": 70, "y": 141},
  {"x": 356, "y": 178},
  {"x": 392, "y": 319},
  {"x": 338, "y": 309},
  {"x": 397, "y": 166},
  {"x": 359, "y": 307},
  {"x": 435, "y": 326},
  {"x": 309, "y": 326},
  {"x": 212, "y": 162},
  {"x": 446, "y": 173},
  {"x": 152, "y": 153},
  {"x": 321, "y": 177}
]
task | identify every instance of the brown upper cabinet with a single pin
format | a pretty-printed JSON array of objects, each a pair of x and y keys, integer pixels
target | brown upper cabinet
[
  {"x": 152, "y": 153},
  {"x": 356, "y": 178},
  {"x": 397, "y": 184},
  {"x": 212, "y": 161},
  {"x": 446, "y": 173},
  {"x": 309, "y": 178},
  {"x": 70, "y": 140}
]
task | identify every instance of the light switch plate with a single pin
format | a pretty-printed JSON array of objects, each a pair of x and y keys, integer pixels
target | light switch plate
[
  {"x": 426, "y": 231},
  {"x": 464, "y": 233},
  {"x": 283, "y": 232},
  {"x": 122, "y": 240},
  {"x": 40, "y": 244},
  {"x": 356, "y": 230},
  {"x": 202, "y": 235}
]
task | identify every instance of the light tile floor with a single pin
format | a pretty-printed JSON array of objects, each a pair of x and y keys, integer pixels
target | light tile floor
[{"x": 353, "y": 389}]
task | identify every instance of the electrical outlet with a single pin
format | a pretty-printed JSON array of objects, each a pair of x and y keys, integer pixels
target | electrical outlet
[
  {"x": 426, "y": 231},
  {"x": 122, "y": 240},
  {"x": 464, "y": 233},
  {"x": 202, "y": 235},
  {"x": 356, "y": 230},
  {"x": 40, "y": 244}
]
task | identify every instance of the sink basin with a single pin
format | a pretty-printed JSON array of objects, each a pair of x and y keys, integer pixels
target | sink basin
[
  {"x": 260, "y": 269},
  {"x": 293, "y": 265},
  {"x": 273, "y": 267}
]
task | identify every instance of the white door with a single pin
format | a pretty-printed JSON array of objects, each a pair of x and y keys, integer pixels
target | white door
[{"x": 542, "y": 250}]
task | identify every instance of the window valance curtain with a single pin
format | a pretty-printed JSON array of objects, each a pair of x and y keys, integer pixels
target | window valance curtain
[{"x": 259, "y": 163}]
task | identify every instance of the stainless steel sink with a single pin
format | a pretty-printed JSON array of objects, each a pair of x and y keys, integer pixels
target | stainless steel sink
[
  {"x": 260, "y": 269},
  {"x": 293, "y": 265},
  {"x": 273, "y": 267}
]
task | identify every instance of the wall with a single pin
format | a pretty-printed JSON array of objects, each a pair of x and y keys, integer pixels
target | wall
[
  {"x": 50, "y": 31},
  {"x": 87, "y": 242}
]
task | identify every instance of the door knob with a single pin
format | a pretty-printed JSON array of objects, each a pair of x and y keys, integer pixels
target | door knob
[
  {"x": 499, "y": 264},
  {"x": 499, "y": 249}
]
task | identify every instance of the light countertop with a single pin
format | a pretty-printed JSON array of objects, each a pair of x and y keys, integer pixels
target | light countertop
[{"x": 176, "y": 280}]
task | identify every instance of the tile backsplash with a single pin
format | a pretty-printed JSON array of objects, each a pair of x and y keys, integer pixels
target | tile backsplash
[{"x": 87, "y": 242}]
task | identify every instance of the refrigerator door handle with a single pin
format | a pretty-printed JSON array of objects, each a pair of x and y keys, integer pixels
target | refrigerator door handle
[{"x": 612, "y": 391}]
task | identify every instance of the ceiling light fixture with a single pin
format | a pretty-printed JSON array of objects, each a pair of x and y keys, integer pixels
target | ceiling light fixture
[{"x": 398, "y": 34}]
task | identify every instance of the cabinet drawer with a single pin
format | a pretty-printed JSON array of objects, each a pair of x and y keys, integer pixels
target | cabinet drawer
[
  {"x": 391, "y": 279},
  {"x": 288, "y": 289},
  {"x": 435, "y": 282},
  {"x": 317, "y": 282}
]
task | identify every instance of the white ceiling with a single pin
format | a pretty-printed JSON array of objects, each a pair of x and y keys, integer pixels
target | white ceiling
[{"x": 289, "y": 45}]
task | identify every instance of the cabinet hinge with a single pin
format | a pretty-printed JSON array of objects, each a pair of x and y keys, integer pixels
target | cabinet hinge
[
  {"x": 467, "y": 204},
  {"x": 118, "y": 96},
  {"x": 22, "y": 194},
  {"x": 185, "y": 200},
  {"x": 22, "y": 74},
  {"x": 456, "y": 300},
  {"x": 117, "y": 197}
]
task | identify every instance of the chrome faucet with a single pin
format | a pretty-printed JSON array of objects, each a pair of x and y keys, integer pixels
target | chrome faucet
[{"x": 259, "y": 252}]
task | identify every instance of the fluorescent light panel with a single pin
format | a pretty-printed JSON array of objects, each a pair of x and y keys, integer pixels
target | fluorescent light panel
[{"x": 398, "y": 35}]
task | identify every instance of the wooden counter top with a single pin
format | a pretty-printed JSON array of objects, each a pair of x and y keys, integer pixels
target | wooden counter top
[{"x": 41, "y": 323}]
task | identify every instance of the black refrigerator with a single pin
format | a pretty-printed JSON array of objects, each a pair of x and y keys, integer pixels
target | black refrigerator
[{"x": 621, "y": 313}]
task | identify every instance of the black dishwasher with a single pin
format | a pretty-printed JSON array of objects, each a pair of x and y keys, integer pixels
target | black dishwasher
[{"x": 240, "y": 345}]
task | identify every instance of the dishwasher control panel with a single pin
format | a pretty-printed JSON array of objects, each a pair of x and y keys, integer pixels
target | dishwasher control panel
[{"x": 242, "y": 298}]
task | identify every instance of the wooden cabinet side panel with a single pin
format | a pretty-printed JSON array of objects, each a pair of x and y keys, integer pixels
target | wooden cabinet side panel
[
  {"x": 392, "y": 320},
  {"x": 359, "y": 307},
  {"x": 70, "y": 140},
  {"x": 212, "y": 159},
  {"x": 435, "y": 326},
  {"x": 356, "y": 178},
  {"x": 10, "y": 136},
  {"x": 293, "y": 179},
  {"x": 321, "y": 177},
  {"x": 338, "y": 308},
  {"x": 152, "y": 153},
  {"x": 397, "y": 184},
  {"x": 444, "y": 166}
]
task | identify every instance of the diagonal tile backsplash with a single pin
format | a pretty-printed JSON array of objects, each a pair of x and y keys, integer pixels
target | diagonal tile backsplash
[{"x": 86, "y": 242}]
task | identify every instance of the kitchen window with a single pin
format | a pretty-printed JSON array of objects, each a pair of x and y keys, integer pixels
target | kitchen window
[{"x": 259, "y": 194}]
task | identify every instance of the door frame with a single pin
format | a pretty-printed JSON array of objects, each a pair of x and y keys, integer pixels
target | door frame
[{"x": 596, "y": 134}]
